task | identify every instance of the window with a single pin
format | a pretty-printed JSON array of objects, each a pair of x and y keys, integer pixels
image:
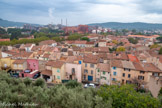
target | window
[
  {"x": 86, "y": 65},
  {"x": 85, "y": 71},
  {"x": 92, "y": 65},
  {"x": 20, "y": 66},
  {"x": 84, "y": 77},
  {"x": 58, "y": 70},
  {"x": 123, "y": 74},
  {"x": 126, "y": 69},
  {"x": 73, "y": 70},
  {"x": 113, "y": 79},
  {"x": 142, "y": 72},
  {"x": 104, "y": 72},
  {"x": 129, "y": 75},
  {"x": 114, "y": 73},
  {"x": 114, "y": 68},
  {"x": 58, "y": 77},
  {"x": 155, "y": 74},
  {"x": 92, "y": 72},
  {"x": 15, "y": 65},
  {"x": 141, "y": 77}
]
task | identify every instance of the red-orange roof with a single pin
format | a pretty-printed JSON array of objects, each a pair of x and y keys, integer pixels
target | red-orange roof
[
  {"x": 133, "y": 58},
  {"x": 143, "y": 36},
  {"x": 1, "y": 40}
]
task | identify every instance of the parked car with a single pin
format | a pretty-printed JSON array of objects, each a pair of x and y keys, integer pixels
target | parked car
[
  {"x": 16, "y": 75},
  {"x": 36, "y": 75},
  {"x": 90, "y": 85}
]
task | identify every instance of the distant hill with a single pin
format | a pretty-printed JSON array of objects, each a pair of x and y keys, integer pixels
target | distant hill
[
  {"x": 6, "y": 23},
  {"x": 130, "y": 26}
]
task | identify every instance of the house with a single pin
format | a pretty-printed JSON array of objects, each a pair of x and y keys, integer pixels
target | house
[
  {"x": 5, "y": 63},
  {"x": 50, "y": 43},
  {"x": 47, "y": 72},
  {"x": 80, "y": 43},
  {"x": 19, "y": 65},
  {"x": 58, "y": 72},
  {"x": 89, "y": 66},
  {"x": 154, "y": 85},
  {"x": 128, "y": 72},
  {"x": 110, "y": 45},
  {"x": 6, "y": 54},
  {"x": 103, "y": 74},
  {"x": 116, "y": 71},
  {"x": 28, "y": 47},
  {"x": 64, "y": 51},
  {"x": 32, "y": 64},
  {"x": 73, "y": 67},
  {"x": 42, "y": 65},
  {"x": 102, "y": 43},
  {"x": 90, "y": 44},
  {"x": 46, "y": 56}
]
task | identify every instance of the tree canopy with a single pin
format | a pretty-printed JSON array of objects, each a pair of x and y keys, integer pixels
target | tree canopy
[
  {"x": 71, "y": 95},
  {"x": 160, "y": 51},
  {"x": 133, "y": 41},
  {"x": 121, "y": 48}
]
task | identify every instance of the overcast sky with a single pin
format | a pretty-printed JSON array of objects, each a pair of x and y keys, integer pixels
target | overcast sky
[{"x": 81, "y": 11}]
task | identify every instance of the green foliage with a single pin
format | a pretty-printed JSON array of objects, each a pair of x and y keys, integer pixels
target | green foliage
[
  {"x": 112, "y": 49},
  {"x": 58, "y": 39},
  {"x": 85, "y": 38},
  {"x": 24, "y": 41},
  {"x": 160, "y": 39},
  {"x": 72, "y": 84},
  {"x": 133, "y": 41},
  {"x": 74, "y": 36},
  {"x": 126, "y": 97},
  {"x": 121, "y": 48},
  {"x": 15, "y": 33},
  {"x": 2, "y": 31},
  {"x": 71, "y": 95},
  {"x": 160, "y": 51},
  {"x": 39, "y": 82},
  {"x": 27, "y": 81},
  {"x": 154, "y": 46}
]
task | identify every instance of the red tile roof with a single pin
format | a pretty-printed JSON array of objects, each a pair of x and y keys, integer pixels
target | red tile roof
[
  {"x": 133, "y": 58},
  {"x": 1, "y": 40}
]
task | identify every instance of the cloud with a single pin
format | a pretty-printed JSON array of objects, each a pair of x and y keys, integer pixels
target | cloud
[
  {"x": 50, "y": 13},
  {"x": 81, "y": 11}
]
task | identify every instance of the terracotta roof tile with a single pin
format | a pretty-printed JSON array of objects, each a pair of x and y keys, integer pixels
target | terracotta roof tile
[
  {"x": 104, "y": 67},
  {"x": 19, "y": 61}
]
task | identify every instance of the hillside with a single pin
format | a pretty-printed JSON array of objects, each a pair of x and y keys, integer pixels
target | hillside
[
  {"x": 136, "y": 25},
  {"x": 6, "y": 23}
]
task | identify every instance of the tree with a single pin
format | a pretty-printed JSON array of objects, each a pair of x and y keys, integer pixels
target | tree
[
  {"x": 160, "y": 51},
  {"x": 27, "y": 81},
  {"x": 85, "y": 38},
  {"x": 39, "y": 82},
  {"x": 2, "y": 31},
  {"x": 121, "y": 48},
  {"x": 160, "y": 39},
  {"x": 115, "y": 41},
  {"x": 133, "y": 41},
  {"x": 72, "y": 84},
  {"x": 154, "y": 46},
  {"x": 74, "y": 36},
  {"x": 126, "y": 97}
]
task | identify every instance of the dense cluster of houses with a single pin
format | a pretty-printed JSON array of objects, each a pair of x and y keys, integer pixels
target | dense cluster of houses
[{"x": 86, "y": 61}]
